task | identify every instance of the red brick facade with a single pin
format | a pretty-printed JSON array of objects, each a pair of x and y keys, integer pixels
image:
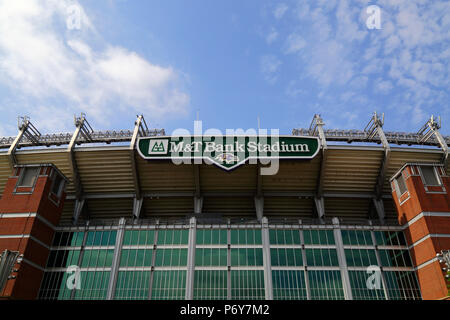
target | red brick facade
[
  {"x": 425, "y": 210},
  {"x": 28, "y": 216}
]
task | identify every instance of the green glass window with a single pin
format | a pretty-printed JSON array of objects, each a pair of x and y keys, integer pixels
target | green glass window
[
  {"x": 138, "y": 237},
  {"x": 173, "y": 236},
  {"x": 321, "y": 257},
  {"x": 101, "y": 238},
  {"x": 132, "y": 285},
  {"x": 247, "y": 257},
  {"x": 289, "y": 285},
  {"x": 94, "y": 285},
  {"x": 357, "y": 237},
  {"x": 325, "y": 285},
  {"x": 360, "y": 257},
  {"x": 390, "y": 238},
  {"x": 171, "y": 257},
  {"x": 324, "y": 237},
  {"x": 210, "y": 285},
  {"x": 63, "y": 258},
  {"x": 247, "y": 284},
  {"x": 136, "y": 258},
  {"x": 246, "y": 236},
  {"x": 360, "y": 288},
  {"x": 286, "y": 257},
  {"x": 97, "y": 258},
  {"x": 402, "y": 285},
  {"x": 210, "y": 257},
  {"x": 68, "y": 239},
  {"x": 169, "y": 285},
  {"x": 211, "y": 236},
  {"x": 54, "y": 286},
  {"x": 395, "y": 258},
  {"x": 278, "y": 236}
]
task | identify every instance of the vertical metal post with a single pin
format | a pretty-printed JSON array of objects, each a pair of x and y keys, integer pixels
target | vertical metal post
[
  {"x": 80, "y": 257},
  {"x": 342, "y": 261},
  {"x": 152, "y": 271},
  {"x": 228, "y": 260},
  {"x": 116, "y": 260},
  {"x": 377, "y": 255},
  {"x": 266, "y": 259},
  {"x": 302, "y": 241},
  {"x": 191, "y": 259}
]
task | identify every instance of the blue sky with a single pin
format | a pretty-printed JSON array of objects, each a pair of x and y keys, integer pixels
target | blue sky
[{"x": 230, "y": 61}]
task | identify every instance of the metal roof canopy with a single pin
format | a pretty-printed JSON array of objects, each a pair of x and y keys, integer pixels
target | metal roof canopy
[{"x": 114, "y": 181}]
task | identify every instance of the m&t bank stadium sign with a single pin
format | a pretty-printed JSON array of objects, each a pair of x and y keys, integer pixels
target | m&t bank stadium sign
[{"x": 227, "y": 152}]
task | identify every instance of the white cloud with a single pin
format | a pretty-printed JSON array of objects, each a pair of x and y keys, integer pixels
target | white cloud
[
  {"x": 294, "y": 43},
  {"x": 271, "y": 36},
  {"x": 269, "y": 65},
  {"x": 42, "y": 60},
  {"x": 280, "y": 10},
  {"x": 383, "y": 86},
  {"x": 406, "y": 61}
]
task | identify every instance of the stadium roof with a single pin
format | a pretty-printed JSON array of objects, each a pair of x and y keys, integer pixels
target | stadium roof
[{"x": 348, "y": 181}]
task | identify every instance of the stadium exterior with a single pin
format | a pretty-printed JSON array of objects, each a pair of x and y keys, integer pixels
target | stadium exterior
[{"x": 93, "y": 219}]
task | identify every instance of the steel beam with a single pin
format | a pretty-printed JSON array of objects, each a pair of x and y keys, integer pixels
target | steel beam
[
  {"x": 320, "y": 206},
  {"x": 139, "y": 129},
  {"x": 268, "y": 286},
  {"x": 259, "y": 197},
  {"x": 379, "y": 207},
  {"x": 198, "y": 198},
  {"x": 137, "y": 207},
  {"x": 316, "y": 128},
  {"x": 77, "y": 209},
  {"x": 430, "y": 129},
  {"x": 342, "y": 260},
  {"x": 191, "y": 259},
  {"x": 84, "y": 129},
  {"x": 27, "y": 130},
  {"x": 375, "y": 129},
  {"x": 267, "y": 194},
  {"x": 259, "y": 206},
  {"x": 116, "y": 260},
  {"x": 377, "y": 255}
]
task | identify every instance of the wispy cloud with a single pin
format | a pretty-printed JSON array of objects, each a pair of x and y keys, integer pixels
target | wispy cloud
[
  {"x": 269, "y": 65},
  {"x": 271, "y": 36},
  {"x": 294, "y": 43},
  {"x": 280, "y": 10},
  {"x": 59, "y": 70},
  {"x": 406, "y": 61}
]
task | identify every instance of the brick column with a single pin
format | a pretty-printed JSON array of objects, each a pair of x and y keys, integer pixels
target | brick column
[
  {"x": 420, "y": 192},
  {"x": 30, "y": 208}
]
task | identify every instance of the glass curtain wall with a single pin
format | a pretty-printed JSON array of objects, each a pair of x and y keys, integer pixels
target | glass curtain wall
[{"x": 229, "y": 263}]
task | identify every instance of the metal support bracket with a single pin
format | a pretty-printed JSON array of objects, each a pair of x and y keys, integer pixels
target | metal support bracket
[
  {"x": 320, "y": 206},
  {"x": 379, "y": 207},
  {"x": 27, "y": 130},
  {"x": 259, "y": 206},
  {"x": 77, "y": 209},
  {"x": 137, "y": 206},
  {"x": 430, "y": 128},
  {"x": 198, "y": 204}
]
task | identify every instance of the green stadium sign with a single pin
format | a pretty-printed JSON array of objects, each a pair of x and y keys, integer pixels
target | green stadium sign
[{"x": 227, "y": 152}]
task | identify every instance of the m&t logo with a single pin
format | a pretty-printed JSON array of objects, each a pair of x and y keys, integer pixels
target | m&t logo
[{"x": 158, "y": 146}]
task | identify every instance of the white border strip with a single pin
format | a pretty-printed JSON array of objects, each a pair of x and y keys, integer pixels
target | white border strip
[{"x": 425, "y": 214}]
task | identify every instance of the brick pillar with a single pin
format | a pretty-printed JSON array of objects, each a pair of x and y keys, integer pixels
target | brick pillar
[
  {"x": 420, "y": 192},
  {"x": 30, "y": 208}
]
